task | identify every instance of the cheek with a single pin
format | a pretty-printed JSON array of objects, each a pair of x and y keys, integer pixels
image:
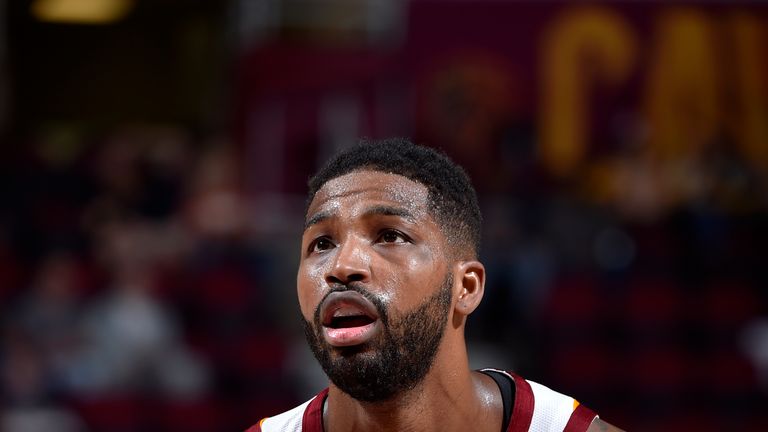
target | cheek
[
  {"x": 309, "y": 288},
  {"x": 422, "y": 272}
]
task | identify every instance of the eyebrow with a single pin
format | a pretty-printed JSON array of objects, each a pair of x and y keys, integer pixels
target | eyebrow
[
  {"x": 371, "y": 211},
  {"x": 390, "y": 211},
  {"x": 317, "y": 218}
]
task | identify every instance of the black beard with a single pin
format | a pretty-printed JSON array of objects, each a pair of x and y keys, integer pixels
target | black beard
[{"x": 395, "y": 361}]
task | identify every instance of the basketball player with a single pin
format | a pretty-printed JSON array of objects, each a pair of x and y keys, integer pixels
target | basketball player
[{"x": 387, "y": 278}]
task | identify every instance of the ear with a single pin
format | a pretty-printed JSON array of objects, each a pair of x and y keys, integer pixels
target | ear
[{"x": 469, "y": 286}]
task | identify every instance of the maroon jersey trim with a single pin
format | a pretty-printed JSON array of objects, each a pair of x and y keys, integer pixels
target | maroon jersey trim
[
  {"x": 580, "y": 419},
  {"x": 522, "y": 413},
  {"x": 313, "y": 415}
]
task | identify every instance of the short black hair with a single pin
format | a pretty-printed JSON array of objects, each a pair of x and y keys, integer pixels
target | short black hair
[{"x": 452, "y": 199}]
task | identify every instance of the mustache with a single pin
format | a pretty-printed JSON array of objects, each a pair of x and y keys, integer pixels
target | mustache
[{"x": 359, "y": 288}]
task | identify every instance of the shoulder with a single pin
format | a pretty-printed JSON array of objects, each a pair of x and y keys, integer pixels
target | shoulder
[
  {"x": 539, "y": 408},
  {"x": 306, "y": 416},
  {"x": 555, "y": 411}
]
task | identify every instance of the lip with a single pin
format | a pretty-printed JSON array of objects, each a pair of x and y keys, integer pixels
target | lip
[{"x": 348, "y": 304}]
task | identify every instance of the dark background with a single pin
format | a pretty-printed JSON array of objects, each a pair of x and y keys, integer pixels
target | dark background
[{"x": 152, "y": 180}]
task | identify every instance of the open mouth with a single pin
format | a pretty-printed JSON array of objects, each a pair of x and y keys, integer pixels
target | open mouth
[{"x": 348, "y": 319}]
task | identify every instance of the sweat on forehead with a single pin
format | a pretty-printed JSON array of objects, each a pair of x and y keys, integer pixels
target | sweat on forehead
[
  {"x": 385, "y": 194},
  {"x": 395, "y": 186},
  {"x": 401, "y": 192},
  {"x": 452, "y": 199}
]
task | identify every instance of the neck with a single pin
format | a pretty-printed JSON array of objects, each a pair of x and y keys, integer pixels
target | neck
[{"x": 451, "y": 397}]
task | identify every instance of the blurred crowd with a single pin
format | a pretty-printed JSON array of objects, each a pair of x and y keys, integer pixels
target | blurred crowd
[{"x": 133, "y": 292}]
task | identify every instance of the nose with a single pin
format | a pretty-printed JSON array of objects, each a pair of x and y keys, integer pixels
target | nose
[{"x": 351, "y": 263}]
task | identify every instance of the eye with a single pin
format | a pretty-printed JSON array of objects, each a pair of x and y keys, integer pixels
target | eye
[
  {"x": 321, "y": 244},
  {"x": 392, "y": 236}
]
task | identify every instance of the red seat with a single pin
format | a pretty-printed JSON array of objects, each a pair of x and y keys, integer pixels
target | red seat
[
  {"x": 115, "y": 413},
  {"x": 573, "y": 301},
  {"x": 654, "y": 302},
  {"x": 191, "y": 416},
  {"x": 730, "y": 304},
  {"x": 582, "y": 366},
  {"x": 659, "y": 370}
]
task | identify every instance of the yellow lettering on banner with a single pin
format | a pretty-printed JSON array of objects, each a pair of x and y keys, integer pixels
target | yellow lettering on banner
[
  {"x": 750, "y": 124},
  {"x": 681, "y": 98},
  {"x": 582, "y": 47}
]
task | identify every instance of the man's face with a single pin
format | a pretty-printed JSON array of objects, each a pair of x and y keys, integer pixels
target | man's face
[{"x": 374, "y": 285}]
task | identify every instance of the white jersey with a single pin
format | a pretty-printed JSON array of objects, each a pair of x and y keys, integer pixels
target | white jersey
[{"x": 534, "y": 408}]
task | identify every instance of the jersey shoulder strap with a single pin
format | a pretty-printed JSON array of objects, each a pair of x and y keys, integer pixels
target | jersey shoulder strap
[
  {"x": 507, "y": 389},
  {"x": 539, "y": 409}
]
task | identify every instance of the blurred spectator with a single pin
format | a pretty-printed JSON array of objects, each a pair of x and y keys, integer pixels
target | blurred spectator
[
  {"x": 754, "y": 343},
  {"x": 39, "y": 343},
  {"x": 48, "y": 314},
  {"x": 131, "y": 341}
]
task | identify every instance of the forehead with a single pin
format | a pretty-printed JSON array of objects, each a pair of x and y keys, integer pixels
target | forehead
[{"x": 367, "y": 186}]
